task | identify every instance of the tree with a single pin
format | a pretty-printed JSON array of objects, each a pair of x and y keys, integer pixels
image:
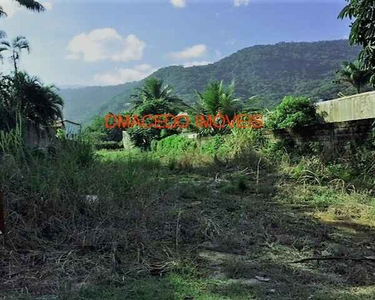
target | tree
[
  {"x": 353, "y": 73},
  {"x": 218, "y": 98},
  {"x": 253, "y": 104},
  {"x": 362, "y": 30},
  {"x": 154, "y": 98},
  {"x": 99, "y": 133},
  {"x": 25, "y": 95},
  {"x": 157, "y": 98},
  {"x": 38, "y": 103},
  {"x": 293, "y": 112},
  {"x": 29, "y": 4},
  {"x": 16, "y": 46}
]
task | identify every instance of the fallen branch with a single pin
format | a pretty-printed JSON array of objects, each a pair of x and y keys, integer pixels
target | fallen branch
[{"x": 369, "y": 258}]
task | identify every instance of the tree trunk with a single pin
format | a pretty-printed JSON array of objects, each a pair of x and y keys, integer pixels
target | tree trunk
[{"x": 15, "y": 63}]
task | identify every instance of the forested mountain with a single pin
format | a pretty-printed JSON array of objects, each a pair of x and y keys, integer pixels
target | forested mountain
[
  {"x": 267, "y": 71},
  {"x": 82, "y": 104}
]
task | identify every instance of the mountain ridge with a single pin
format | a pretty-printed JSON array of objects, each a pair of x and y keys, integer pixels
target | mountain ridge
[{"x": 268, "y": 72}]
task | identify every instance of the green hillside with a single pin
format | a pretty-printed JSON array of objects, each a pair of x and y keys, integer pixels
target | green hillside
[
  {"x": 267, "y": 71},
  {"x": 81, "y": 104}
]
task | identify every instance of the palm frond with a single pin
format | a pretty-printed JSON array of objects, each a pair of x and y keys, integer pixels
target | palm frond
[
  {"x": 154, "y": 95},
  {"x": 5, "y": 43},
  {"x": 38, "y": 103},
  {"x": 31, "y": 5},
  {"x": 353, "y": 73},
  {"x": 21, "y": 43},
  {"x": 2, "y": 12}
]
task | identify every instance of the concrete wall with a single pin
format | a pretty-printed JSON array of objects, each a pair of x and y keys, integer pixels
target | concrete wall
[
  {"x": 190, "y": 135},
  {"x": 126, "y": 141},
  {"x": 356, "y": 107},
  {"x": 347, "y": 119},
  {"x": 35, "y": 141},
  {"x": 357, "y": 131}
]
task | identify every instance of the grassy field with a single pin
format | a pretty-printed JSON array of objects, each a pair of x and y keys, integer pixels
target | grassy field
[{"x": 120, "y": 225}]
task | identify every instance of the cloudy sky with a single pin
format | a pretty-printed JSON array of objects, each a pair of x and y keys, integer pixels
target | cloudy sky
[{"x": 111, "y": 42}]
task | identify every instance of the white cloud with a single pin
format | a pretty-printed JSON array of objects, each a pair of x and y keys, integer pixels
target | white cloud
[
  {"x": 47, "y": 5},
  {"x": 10, "y": 7},
  {"x": 241, "y": 2},
  {"x": 197, "y": 63},
  {"x": 192, "y": 52},
  {"x": 178, "y": 3},
  {"x": 123, "y": 75},
  {"x": 105, "y": 44},
  {"x": 133, "y": 49}
]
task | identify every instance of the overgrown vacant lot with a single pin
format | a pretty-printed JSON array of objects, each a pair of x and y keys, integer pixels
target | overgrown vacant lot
[{"x": 136, "y": 226}]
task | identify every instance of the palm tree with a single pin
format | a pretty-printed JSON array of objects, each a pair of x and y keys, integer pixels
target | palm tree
[
  {"x": 217, "y": 98},
  {"x": 154, "y": 95},
  {"x": 29, "y": 4},
  {"x": 38, "y": 103},
  {"x": 154, "y": 98},
  {"x": 353, "y": 73},
  {"x": 16, "y": 46}
]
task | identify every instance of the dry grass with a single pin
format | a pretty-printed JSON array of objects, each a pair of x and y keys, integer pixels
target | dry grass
[{"x": 127, "y": 225}]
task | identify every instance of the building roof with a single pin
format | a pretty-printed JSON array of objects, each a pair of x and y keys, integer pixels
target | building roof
[{"x": 60, "y": 123}]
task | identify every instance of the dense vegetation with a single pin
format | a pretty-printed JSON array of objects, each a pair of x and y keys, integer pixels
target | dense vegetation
[
  {"x": 293, "y": 112},
  {"x": 354, "y": 74},
  {"x": 24, "y": 97},
  {"x": 268, "y": 72},
  {"x": 362, "y": 31}
]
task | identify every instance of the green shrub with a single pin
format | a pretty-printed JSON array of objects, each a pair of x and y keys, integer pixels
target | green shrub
[
  {"x": 293, "y": 112},
  {"x": 212, "y": 145},
  {"x": 175, "y": 145},
  {"x": 79, "y": 151},
  {"x": 97, "y": 131},
  {"x": 339, "y": 171},
  {"x": 11, "y": 142},
  {"x": 108, "y": 145},
  {"x": 142, "y": 137},
  {"x": 276, "y": 150},
  {"x": 242, "y": 139},
  {"x": 229, "y": 145}
]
